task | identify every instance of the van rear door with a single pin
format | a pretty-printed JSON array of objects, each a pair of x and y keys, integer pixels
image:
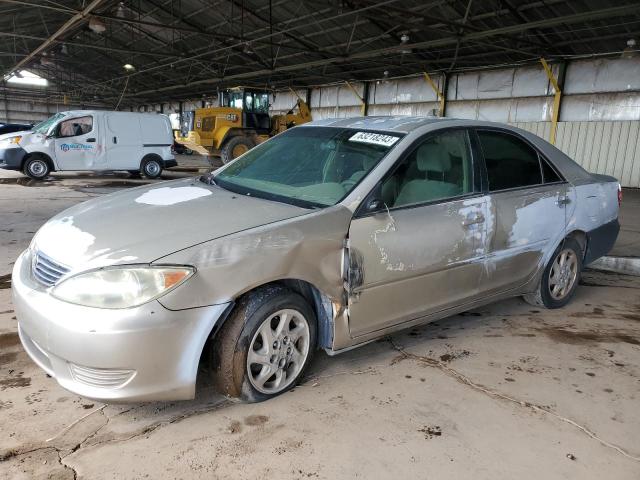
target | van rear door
[{"x": 123, "y": 141}]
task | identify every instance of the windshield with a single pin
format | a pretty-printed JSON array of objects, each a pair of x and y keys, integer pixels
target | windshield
[
  {"x": 307, "y": 166},
  {"x": 43, "y": 127}
]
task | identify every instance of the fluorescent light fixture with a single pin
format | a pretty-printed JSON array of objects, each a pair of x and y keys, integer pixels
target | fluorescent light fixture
[
  {"x": 129, "y": 67},
  {"x": 25, "y": 77},
  {"x": 630, "y": 51}
]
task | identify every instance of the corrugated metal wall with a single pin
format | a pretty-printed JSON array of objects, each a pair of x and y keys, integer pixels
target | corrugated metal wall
[
  {"x": 611, "y": 148},
  {"x": 21, "y": 111}
]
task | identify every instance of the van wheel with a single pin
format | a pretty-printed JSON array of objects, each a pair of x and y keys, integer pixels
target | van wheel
[
  {"x": 560, "y": 277},
  {"x": 236, "y": 146},
  {"x": 36, "y": 167},
  {"x": 264, "y": 347},
  {"x": 151, "y": 168}
]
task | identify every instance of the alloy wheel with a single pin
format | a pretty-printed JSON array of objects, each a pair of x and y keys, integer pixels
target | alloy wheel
[
  {"x": 278, "y": 351},
  {"x": 563, "y": 274}
]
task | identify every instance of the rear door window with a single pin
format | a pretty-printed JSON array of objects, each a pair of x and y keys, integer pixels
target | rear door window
[{"x": 511, "y": 162}]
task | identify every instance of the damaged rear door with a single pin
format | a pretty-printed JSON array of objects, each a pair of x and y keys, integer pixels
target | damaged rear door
[{"x": 415, "y": 246}]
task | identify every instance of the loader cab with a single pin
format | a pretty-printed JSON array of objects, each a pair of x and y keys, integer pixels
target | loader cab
[{"x": 254, "y": 105}]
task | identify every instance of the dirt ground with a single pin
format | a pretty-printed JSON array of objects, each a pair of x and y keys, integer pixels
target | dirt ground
[{"x": 505, "y": 391}]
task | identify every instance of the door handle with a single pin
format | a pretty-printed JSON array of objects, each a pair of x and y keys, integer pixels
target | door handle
[
  {"x": 115, "y": 139},
  {"x": 563, "y": 200},
  {"x": 90, "y": 140},
  {"x": 473, "y": 219}
]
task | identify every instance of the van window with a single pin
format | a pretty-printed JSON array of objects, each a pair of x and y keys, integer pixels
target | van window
[
  {"x": 75, "y": 127},
  {"x": 510, "y": 162}
]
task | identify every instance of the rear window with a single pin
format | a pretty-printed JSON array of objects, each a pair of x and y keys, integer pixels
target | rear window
[{"x": 511, "y": 163}]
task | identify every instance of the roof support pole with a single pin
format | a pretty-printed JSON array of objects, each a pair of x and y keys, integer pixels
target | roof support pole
[
  {"x": 363, "y": 101},
  {"x": 62, "y": 30},
  {"x": 557, "y": 98},
  {"x": 439, "y": 94}
]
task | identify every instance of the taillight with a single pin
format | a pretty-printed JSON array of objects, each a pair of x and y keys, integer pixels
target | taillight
[{"x": 619, "y": 195}]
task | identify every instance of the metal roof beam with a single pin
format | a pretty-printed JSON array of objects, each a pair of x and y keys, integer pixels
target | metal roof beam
[
  {"x": 89, "y": 46},
  {"x": 73, "y": 21},
  {"x": 478, "y": 35}
]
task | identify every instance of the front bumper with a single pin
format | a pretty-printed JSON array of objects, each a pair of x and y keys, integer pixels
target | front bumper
[
  {"x": 137, "y": 354},
  {"x": 11, "y": 158}
]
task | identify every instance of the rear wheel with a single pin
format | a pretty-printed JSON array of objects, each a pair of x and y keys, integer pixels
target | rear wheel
[
  {"x": 236, "y": 146},
  {"x": 560, "y": 278},
  {"x": 36, "y": 167},
  {"x": 265, "y": 346},
  {"x": 151, "y": 168}
]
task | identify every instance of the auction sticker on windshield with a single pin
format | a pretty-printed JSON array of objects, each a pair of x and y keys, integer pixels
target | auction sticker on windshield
[{"x": 374, "y": 138}]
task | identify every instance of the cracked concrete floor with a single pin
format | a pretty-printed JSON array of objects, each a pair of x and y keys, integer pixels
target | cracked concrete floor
[{"x": 504, "y": 391}]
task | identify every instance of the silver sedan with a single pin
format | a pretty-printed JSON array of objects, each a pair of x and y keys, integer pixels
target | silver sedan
[{"x": 327, "y": 236}]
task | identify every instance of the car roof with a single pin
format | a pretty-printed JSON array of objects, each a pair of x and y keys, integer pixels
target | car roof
[
  {"x": 409, "y": 124},
  {"x": 76, "y": 113},
  {"x": 404, "y": 124}
]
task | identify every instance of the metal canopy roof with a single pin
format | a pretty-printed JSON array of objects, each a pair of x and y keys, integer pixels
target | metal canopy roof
[{"x": 186, "y": 48}]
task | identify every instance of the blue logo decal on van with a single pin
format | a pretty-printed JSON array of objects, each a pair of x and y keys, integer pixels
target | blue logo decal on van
[{"x": 65, "y": 147}]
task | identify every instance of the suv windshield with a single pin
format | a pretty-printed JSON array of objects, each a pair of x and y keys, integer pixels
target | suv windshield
[
  {"x": 307, "y": 166},
  {"x": 43, "y": 127}
]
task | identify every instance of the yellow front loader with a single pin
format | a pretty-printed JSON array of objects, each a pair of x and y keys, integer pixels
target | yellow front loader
[{"x": 240, "y": 122}]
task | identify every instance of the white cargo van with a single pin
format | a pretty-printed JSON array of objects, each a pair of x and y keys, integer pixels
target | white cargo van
[{"x": 91, "y": 140}]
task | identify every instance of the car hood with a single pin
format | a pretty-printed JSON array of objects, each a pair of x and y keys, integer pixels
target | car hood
[{"x": 143, "y": 224}]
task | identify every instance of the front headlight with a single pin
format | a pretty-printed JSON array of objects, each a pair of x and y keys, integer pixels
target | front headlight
[
  {"x": 10, "y": 142},
  {"x": 121, "y": 287}
]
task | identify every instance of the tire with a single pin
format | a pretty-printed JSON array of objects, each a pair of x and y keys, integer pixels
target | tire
[
  {"x": 275, "y": 366},
  {"x": 36, "y": 167},
  {"x": 560, "y": 277},
  {"x": 236, "y": 146},
  {"x": 151, "y": 167}
]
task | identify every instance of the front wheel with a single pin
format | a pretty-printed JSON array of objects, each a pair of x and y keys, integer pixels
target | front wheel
[
  {"x": 265, "y": 346},
  {"x": 560, "y": 277},
  {"x": 36, "y": 167}
]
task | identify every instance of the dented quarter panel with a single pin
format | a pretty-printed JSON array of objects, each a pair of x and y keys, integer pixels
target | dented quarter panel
[{"x": 524, "y": 223}]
